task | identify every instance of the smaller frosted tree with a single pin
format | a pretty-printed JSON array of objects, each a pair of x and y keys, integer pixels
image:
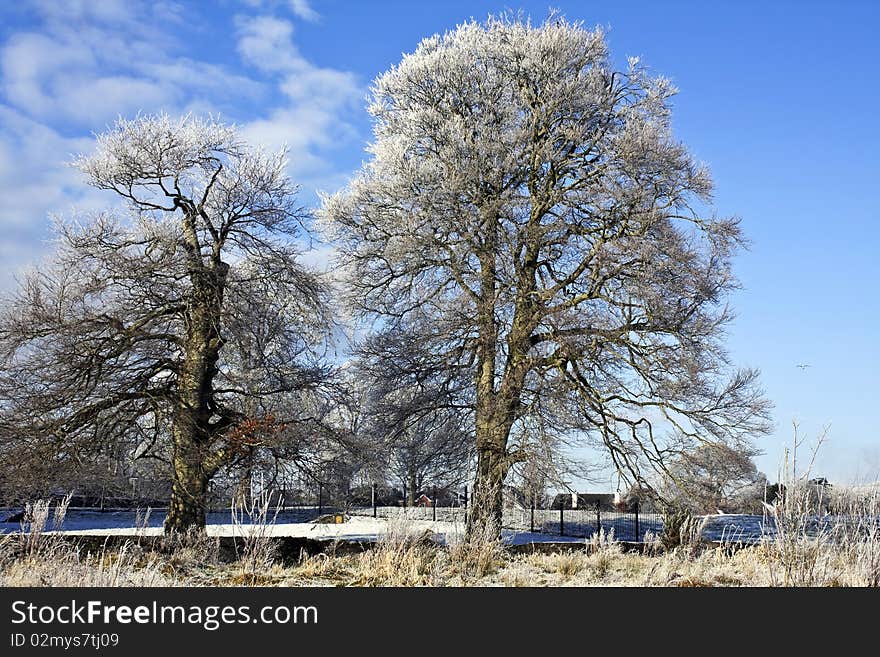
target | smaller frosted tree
[
  {"x": 187, "y": 330},
  {"x": 420, "y": 433},
  {"x": 715, "y": 477}
]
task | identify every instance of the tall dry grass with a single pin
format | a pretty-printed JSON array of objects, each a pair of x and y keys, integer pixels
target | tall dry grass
[
  {"x": 821, "y": 536},
  {"x": 36, "y": 556},
  {"x": 478, "y": 553},
  {"x": 252, "y": 529},
  {"x": 406, "y": 555}
]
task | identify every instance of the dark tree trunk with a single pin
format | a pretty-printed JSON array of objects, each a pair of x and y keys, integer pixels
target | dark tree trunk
[
  {"x": 497, "y": 397},
  {"x": 186, "y": 510},
  {"x": 411, "y": 488},
  {"x": 485, "y": 507},
  {"x": 195, "y": 462},
  {"x": 192, "y": 463}
]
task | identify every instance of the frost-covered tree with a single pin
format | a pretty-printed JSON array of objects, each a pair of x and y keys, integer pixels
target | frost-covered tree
[
  {"x": 527, "y": 212},
  {"x": 186, "y": 330},
  {"x": 714, "y": 477},
  {"x": 420, "y": 431}
]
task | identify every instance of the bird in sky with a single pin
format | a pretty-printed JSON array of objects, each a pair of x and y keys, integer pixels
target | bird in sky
[{"x": 803, "y": 366}]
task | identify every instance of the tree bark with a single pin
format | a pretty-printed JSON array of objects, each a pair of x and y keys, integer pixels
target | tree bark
[
  {"x": 485, "y": 509},
  {"x": 411, "y": 488},
  {"x": 194, "y": 462},
  {"x": 186, "y": 510},
  {"x": 497, "y": 404}
]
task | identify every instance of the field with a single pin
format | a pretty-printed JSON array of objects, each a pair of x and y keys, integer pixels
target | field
[{"x": 405, "y": 551}]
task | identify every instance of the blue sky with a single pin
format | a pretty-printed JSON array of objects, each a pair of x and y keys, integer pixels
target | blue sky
[{"x": 779, "y": 98}]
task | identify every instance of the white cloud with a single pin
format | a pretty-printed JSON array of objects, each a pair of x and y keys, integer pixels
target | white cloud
[
  {"x": 84, "y": 63},
  {"x": 266, "y": 43},
  {"x": 30, "y": 63},
  {"x": 32, "y": 169},
  {"x": 320, "y": 257},
  {"x": 34, "y": 182},
  {"x": 323, "y": 87},
  {"x": 302, "y": 9},
  {"x": 92, "y": 61},
  {"x": 318, "y": 99},
  {"x": 71, "y": 11},
  {"x": 108, "y": 97}
]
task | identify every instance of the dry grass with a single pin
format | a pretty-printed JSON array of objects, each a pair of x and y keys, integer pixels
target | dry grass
[
  {"x": 403, "y": 557},
  {"x": 252, "y": 530},
  {"x": 845, "y": 552},
  {"x": 476, "y": 556},
  {"x": 34, "y": 557}
]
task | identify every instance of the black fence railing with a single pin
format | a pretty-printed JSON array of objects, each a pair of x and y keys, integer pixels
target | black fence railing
[
  {"x": 454, "y": 514},
  {"x": 570, "y": 523},
  {"x": 630, "y": 526},
  {"x": 587, "y": 522}
]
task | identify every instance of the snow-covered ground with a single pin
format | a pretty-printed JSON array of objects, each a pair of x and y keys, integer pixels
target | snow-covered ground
[
  {"x": 355, "y": 528},
  {"x": 299, "y": 523},
  {"x": 90, "y": 519}
]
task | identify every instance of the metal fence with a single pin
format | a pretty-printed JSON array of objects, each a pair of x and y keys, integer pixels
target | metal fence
[
  {"x": 456, "y": 514},
  {"x": 629, "y": 526}
]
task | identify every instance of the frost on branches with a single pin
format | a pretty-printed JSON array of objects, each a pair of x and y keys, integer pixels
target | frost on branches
[
  {"x": 527, "y": 213},
  {"x": 174, "y": 330}
]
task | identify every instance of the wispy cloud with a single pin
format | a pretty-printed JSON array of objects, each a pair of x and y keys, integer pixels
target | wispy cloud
[
  {"x": 302, "y": 9},
  {"x": 33, "y": 184},
  {"x": 89, "y": 63},
  {"x": 78, "y": 65},
  {"x": 317, "y": 100}
]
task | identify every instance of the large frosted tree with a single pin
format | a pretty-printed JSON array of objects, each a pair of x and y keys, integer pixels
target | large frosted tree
[
  {"x": 181, "y": 326},
  {"x": 528, "y": 215}
]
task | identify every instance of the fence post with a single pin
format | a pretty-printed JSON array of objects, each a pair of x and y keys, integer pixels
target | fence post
[
  {"x": 465, "y": 498},
  {"x": 320, "y": 499},
  {"x": 598, "y": 518},
  {"x": 561, "y": 518},
  {"x": 373, "y": 500},
  {"x": 434, "y": 505},
  {"x": 637, "y": 520},
  {"x": 532, "y": 518}
]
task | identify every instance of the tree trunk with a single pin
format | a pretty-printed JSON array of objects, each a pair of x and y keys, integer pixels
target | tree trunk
[
  {"x": 186, "y": 511},
  {"x": 485, "y": 507},
  {"x": 411, "y": 488},
  {"x": 194, "y": 463},
  {"x": 497, "y": 399}
]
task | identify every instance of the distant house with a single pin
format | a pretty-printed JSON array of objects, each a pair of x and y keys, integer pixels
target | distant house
[
  {"x": 584, "y": 501},
  {"x": 439, "y": 497}
]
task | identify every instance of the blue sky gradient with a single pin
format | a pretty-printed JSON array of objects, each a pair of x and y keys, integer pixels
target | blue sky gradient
[{"x": 779, "y": 98}]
